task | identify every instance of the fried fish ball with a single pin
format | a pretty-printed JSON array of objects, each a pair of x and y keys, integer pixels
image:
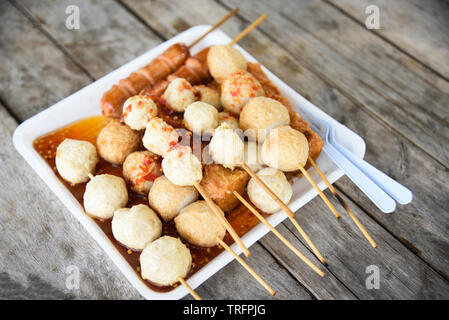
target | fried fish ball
[
  {"x": 138, "y": 110},
  {"x": 179, "y": 94},
  {"x": 140, "y": 169},
  {"x": 164, "y": 260},
  {"x": 208, "y": 95},
  {"x": 226, "y": 147},
  {"x": 277, "y": 182},
  {"x": 136, "y": 227},
  {"x": 160, "y": 137},
  {"x": 75, "y": 160},
  {"x": 285, "y": 149},
  {"x": 197, "y": 224},
  {"x": 168, "y": 198},
  {"x": 252, "y": 156},
  {"x": 104, "y": 194},
  {"x": 181, "y": 167},
  {"x": 260, "y": 115},
  {"x": 228, "y": 118},
  {"x": 223, "y": 60},
  {"x": 220, "y": 182},
  {"x": 115, "y": 141},
  {"x": 200, "y": 117},
  {"x": 237, "y": 89}
]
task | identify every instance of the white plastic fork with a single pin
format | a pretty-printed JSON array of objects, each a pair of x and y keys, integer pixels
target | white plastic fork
[{"x": 377, "y": 186}]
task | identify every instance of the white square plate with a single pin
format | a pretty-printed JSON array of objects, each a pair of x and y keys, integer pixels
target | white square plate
[{"x": 86, "y": 103}]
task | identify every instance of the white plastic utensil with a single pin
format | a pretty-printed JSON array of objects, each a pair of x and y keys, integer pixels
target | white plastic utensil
[
  {"x": 368, "y": 186},
  {"x": 394, "y": 189}
]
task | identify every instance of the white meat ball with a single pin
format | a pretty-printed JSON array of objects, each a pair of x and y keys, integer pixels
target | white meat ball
[
  {"x": 168, "y": 198},
  {"x": 260, "y": 115},
  {"x": 179, "y": 94},
  {"x": 237, "y": 89},
  {"x": 223, "y": 60},
  {"x": 104, "y": 194},
  {"x": 200, "y": 117},
  {"x": 198, "y": 225},
  {"x": 138, "y": 110},
  {"x": 228, "y": 118},
  {"x": 160, "y": 137},
  {"x": 181, "y": 166},
  {"x": 164, "y": 260},
  {"x": 285, "y": 149},
  {"x": 140, "y": 169},
  {"x": 277, "y": 182},
  {"x": 135, "y": 228},
  {"x": 75, "y": 160},
  {"x": 208, "y": 95},
  {"x": 226, "y": 147}
]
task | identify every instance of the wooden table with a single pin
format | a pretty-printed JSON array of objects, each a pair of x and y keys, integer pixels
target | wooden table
[{"x": 391, "y": 86}]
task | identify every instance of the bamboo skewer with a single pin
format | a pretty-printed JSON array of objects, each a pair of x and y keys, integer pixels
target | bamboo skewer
[
  {"x": 220, "y": 215},
  {"x": 343, "y": 203},
  {"x": 248, "y": 29},
  {"x": 247, "y": 267},
  {"x": 215, "y": 26},
  {"x": 287, "y": 210},
  {"x": 192, "y": 292},
  {"x": 277, "y": 234},
  {"x": 322, "y": 195}
]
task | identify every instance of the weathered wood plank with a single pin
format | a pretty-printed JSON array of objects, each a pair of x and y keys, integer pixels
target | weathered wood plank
[
  {"x": 420, "y": 29},
  {"x": 108, "y": 36},
  {"x": 228, "y": 283},
  {"x": 38, "y": 243},
  {"x": 27, "y": 71},
  {"x": 366, "y": 69},
  {"x": 333, "y": 102}
]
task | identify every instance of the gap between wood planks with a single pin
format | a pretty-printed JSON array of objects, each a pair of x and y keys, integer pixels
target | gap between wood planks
[
  {"x": 397, "y": 47},
  {"x": 325, "y": 79}
]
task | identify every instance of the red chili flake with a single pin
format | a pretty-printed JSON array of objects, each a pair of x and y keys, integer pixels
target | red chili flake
[
  {"x": 172, "y": 144},
  {"x": 235, "y": 92},
  {"x": 167, "y": 129}
]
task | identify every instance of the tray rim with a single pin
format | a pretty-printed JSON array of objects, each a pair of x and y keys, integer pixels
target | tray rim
[{"x": 26, "y": 133}]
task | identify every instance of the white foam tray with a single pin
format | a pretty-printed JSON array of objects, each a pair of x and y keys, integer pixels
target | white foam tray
[{"x": 86, "y": 103}]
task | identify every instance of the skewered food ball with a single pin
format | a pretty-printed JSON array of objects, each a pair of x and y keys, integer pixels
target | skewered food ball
[
  {"x": 135, "y": 228},
  {"x": 229, "y": 119},
  {"x": 104, "y": 194},
  {"x": 285, "y": 149},
  {"x": 200, "y": 117},
  {"x": 208, "y": 95},
  {"x": 262, "y": 114},
  {"x": 179, "y": 94},
  {"x": 198, "y": 225},
  {"x": 138, "y": 110},
  {"x": 115, "y": 141},
  {"x": 237, "y": 89},
  {"x": 252, "y": 156},
  {"x": 140, "y": 169},
  {"x": 75, "y": 160},
  {"x": 220, "y": 182},
  {"x": 226, "y": 147},
  {"x": 223, "y": 60},
  {"x": 168, "y": 198},
  {"x": 164, "y": 260},
  {"x": 160, "y": 137},
  {"x": 181, "y": 167},
  {"x": 277, "y": 182}
]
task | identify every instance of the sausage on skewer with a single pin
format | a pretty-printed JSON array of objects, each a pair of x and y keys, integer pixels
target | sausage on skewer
[{"x": 168, "y": 62}]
